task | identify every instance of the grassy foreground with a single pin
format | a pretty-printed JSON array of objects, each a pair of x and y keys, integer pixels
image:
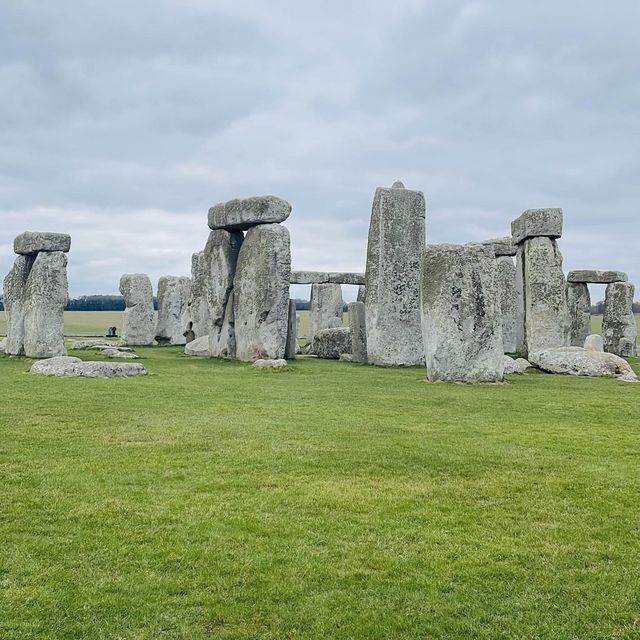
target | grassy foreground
[{"x": 329, "y": 500}]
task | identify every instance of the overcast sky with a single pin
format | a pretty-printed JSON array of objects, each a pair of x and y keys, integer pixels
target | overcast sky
[{"x": 121, "y": 122}]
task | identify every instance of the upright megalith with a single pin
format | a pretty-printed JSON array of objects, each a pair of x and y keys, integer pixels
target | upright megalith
[
  {"x": 221, "y": 259},
  {"x": 358, "y": 329},
  {"x": 243, "y": 213},
  {"x": 579, "y": 306},
  {"x": 45, "y": 298},
  {"x": 173, "y": 296},
  {"x": 14, "y": 299},
  {"x": 292, "y": 332},
  {"x": 619, "y": 328},
  {"x": 460, "y": 314},
  {"x": 261, "y": 293},
  {"x": 508, "y": 301},
  {"x": 198, "y": 304},
  {"x": 395, "y": 246},
  {"x": 362, "y": 293},
  {"x": 137, "y": 321},
  {"x": 543, "y": 319},
  {"x": 325, "y": 308}
]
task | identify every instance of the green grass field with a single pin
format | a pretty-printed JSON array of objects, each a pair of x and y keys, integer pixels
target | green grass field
[{"x": 328, "y": 500}]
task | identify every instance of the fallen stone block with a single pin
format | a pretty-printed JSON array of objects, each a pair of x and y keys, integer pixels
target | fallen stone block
[
  {"x": 66, "y": 366},
  {"x": 576, "y": 361},
  {"x": 277, "y": 363},
  {"x": 198, "y": 347}
]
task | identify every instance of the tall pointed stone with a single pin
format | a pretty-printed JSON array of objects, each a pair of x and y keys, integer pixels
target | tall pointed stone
[
  {"x": 619, "y": 328},
  {"x": 137, "y": 321},
  {"x": 579, "y": 305},
  {"x": 395, "y": 246}
]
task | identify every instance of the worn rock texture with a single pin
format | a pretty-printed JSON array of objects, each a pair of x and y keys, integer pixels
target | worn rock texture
[
  {"x": 327, "y": 277},
  {"x": 362, "y": 293},
  {"x": 534, "y": 223},
  {"x": 14, "y": 300},
  {"x": 591, "y": 276},
  {"x": 173, "y": 297},
  {"x": 461, "y": 315},
  {"x": 278, "y": 363},
  {"x": 198, "y": 305},
  {"x": 221, "y": 257},
  {"x": 619, "y": 328},
  {"x": 358, "y": 329},
  {"x": 579, "y": 309},
  {"x": 292, "y": 332},
  {"x": 261, "y": 293},
  {"x": 45, "y": 297},
  {"x": 395, "y": 246},
  {"x": 332, "y": 343},
  {"x": 198, "y": 347},
  {"x": 325, "y": 308},
  {"x": 243, "y": 213},
  {"x": 500, "y": 246},
  {"x": 519, "y": 365},
  {"x": 31, "y": 242},
  {"x": 508, "y": 301},
  {"x": 137, "y": 320},
  {"x": 66, "y": 366},
  {"x": 594, "y": 342},
  {"x": 577, "y": 361}
]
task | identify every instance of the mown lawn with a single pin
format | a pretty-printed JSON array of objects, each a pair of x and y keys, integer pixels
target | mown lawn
[{"x": 329, "y": 500}]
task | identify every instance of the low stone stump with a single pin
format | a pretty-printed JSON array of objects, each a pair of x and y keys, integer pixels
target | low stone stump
[
  {"x": 330, "y": 344},
  {"x": 69, "y": 367},
  {"x": 519, "y": 365},
  {"x": 594, "y": 342},
  {"x": 198, "y": 347},
  {"x": 576, "y": 361},
  {"x": 277, "y": 363}
]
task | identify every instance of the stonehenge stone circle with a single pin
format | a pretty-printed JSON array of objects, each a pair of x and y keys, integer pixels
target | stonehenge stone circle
[
  {"x": 292, "y": 332},
  {"x": 327, "y": 277},
  {"x": 261, "y": 293},
  {"x": 31, "y": 242},
  {"x": 508, "y": 301},
  {"x": 460, "y": 314},
  {"x": 332, "y": 343},
  {"x": 198, "y": 304},
  {"x": 594, "y": 342},
  {"x": 173, "y": 295},
  {"x": 66, "y": 366},
  {"x": 325, "y": 308},
  {"x": 46, "y": 295},
  {"x": 137, "y": 321},
  {"x": 221, "y": 257},
  {"x": 358, "y": 329},
  {"x": 395, "y": 245},
  {"x": 14, "y": 300},
  {"x": 593, "y": 276},
  {"x": 535, "y": 223},
  {"x": 244, "y": 213},
  {"x": 619, "y": 328},
  {"x": 576, "y": 361},
  {"x": 579, "y": 305}
]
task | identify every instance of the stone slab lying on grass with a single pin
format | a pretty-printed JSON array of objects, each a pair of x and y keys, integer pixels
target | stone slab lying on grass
[
  {"x": 35, "y": 241},
  {"x": 93, "y": 344},
  {"x": 116, "y": 353},
  {"x": 243, "y": 213},
  {"x": 277, "y": 363},
  {"x": 576, "y": 361},
  {"x": 593, "y": 276},
  {"x": 198, "y": 347},
  {"x": 67, "y": 366},
  {"x": 332, "y": 343},
  {"x": 515, "y": 366},
  {"x": 534, "y": 223}
]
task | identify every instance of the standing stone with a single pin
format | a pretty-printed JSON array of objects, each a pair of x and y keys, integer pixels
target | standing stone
[
  {"x": 137, "y": 321},
  {"x": 362, "y": 293},
  {"x": 521, "y": 346},
  {"x": 546, "y": 318},
  {"x": 395, "y": 246},
  {"x": 198, "y": 306},
  {"x": 460, "y": 314},
  {"x": 221, "y": 258},
  {"x": 173, "y": 295},
  {"x": 261, "y": 293},
  {"x": 325, "y": 308},
  {"x": 619, "y": 328},
  {"x": 45, "y": 298},
  {"x": 358, "y": 328},
  {"x": 508, "y": 301},
  {"x": 14, "y": 290},
  {"x": 579, "y": 306},
  {"x": 292, "y": 332}
]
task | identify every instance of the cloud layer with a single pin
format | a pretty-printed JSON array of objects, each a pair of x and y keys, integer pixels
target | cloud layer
[{"x": 121, "y": 123}]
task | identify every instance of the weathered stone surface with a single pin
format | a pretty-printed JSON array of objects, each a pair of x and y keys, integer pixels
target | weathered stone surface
[
  {"x": 546, "y": 318},
  {"x": 292, "y": 332},
  {"x": 460, "y": 314},
  {"x": 277, "y": 363},
  {"x": 577, "y": 361},
  {"x": 520, "y": 337},
  {"x": 594, "y": 342},
  {"x": 362, "y": 293},
  {"x": 534, "y": 223},
  {"x": 31, "y": 242},
  {"x": 500, "y": 246},
  {"x": 45, "y": 297},
  {"x": 116, "y": 353},
  {"x": 198, "y": 305},
  {"x": 358, "y": 328},
  {"x": 243, "y": 213},
  {"x": 325, "y": 308},
  {"x": 579, "y": 307},
  {"x": 92, "y": 344},
  {"x": 261, "y": 293},
  {"x": 327, "y": 277},
  {"x": 395, "y": 245},
  {"x": 508, "y": 301},
  {"x": 15, "y": 284},
  {"x": 332, "y": 343},
  {"x": 3, "y": 345},
  {"x": 198, "y": 347},
  {"x": 619, "y": 328},
  {"x": 515, "y": 366},
  {"x": 137, "y": 320},
  {"x": 65, "y": 366},
  {"x": 221, "y": 256},
  {"x": 591, "y": 276},
  {"x": 173, "y": 296}
]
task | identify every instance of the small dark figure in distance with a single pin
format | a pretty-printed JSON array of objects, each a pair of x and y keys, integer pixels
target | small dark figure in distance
[{"x": 114, "y": 332}]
